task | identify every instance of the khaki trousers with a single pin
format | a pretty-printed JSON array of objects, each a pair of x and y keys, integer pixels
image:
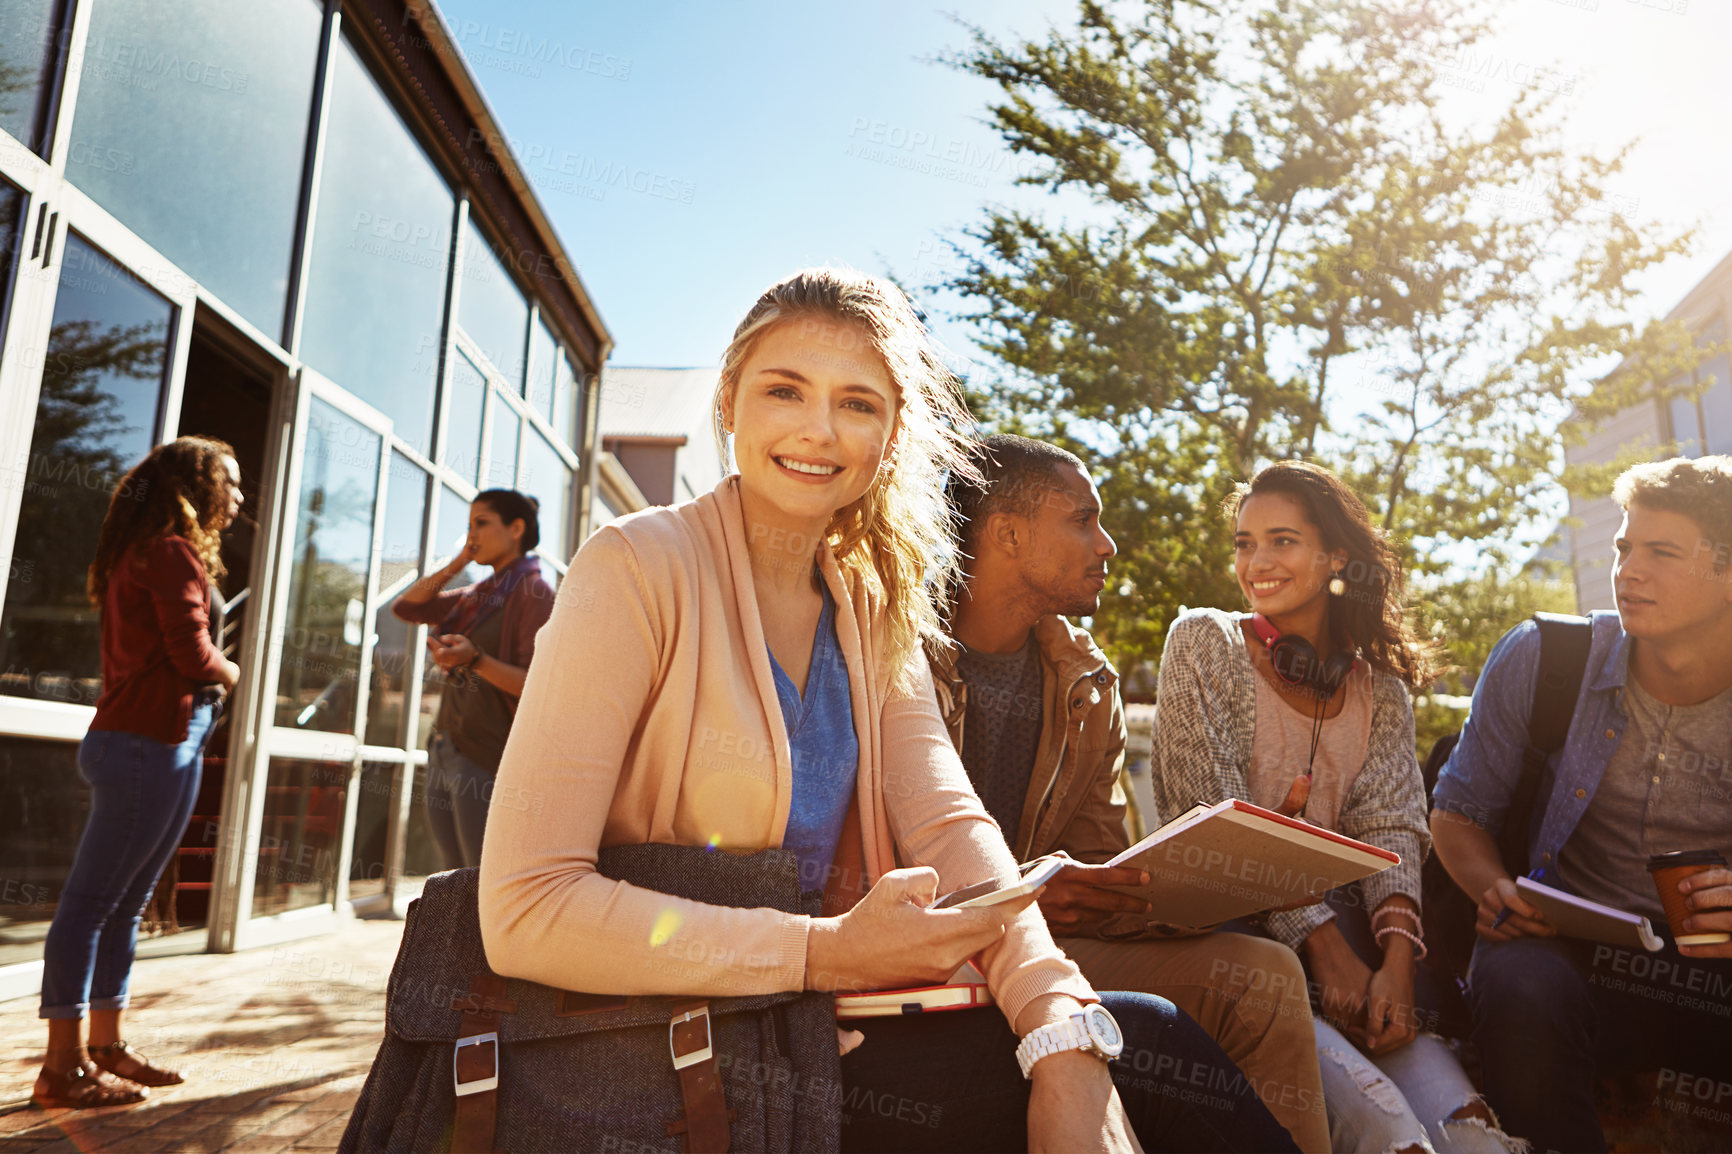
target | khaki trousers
[{"x": 1248, "y": 993}]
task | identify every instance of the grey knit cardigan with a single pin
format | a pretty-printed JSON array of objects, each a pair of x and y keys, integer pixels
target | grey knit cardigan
[{"x": 1205, "y": 721}]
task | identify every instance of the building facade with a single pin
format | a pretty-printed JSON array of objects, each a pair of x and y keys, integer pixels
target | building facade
[
  {"x": 1689, "y": 418},
  {"x": 293, "y": 225},
  {"x": 658, "y": 446}
]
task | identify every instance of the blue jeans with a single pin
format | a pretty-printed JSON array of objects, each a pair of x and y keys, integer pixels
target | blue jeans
[
  {"x": 458, "y": 791},
  {"x": 950, "y": 1081},
  {"x": 141, "y": 793},
  {"x": 1551, "y": 1014}
]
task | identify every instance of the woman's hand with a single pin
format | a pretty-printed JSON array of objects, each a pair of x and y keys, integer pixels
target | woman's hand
[
  {"x": 458, "y": 563},
  {"x": 1343, "y": 979},
  {"x": 891, "y": 940},
  {"x": 229, "y": 674},
  {"x": 1072, "y": 1105},
  {"x": 1390, "y": 1022},
  {"x": 451, "y": 651}
]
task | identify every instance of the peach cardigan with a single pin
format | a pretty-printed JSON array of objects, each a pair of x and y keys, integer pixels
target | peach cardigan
[{"x": 650, "y": 715}]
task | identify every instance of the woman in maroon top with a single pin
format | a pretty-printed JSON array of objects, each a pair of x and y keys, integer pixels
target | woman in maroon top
[
  {"x": 163, "y": 680},
  {"x": 482, "y": 638}
]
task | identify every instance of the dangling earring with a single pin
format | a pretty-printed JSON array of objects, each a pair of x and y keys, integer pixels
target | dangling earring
[{"x": 1336, "y": 585}]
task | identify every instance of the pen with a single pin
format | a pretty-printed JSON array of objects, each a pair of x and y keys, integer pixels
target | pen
[{"x": 1538, "y": 875}]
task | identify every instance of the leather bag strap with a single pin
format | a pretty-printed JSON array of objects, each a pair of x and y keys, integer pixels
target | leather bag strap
[
  {"x": 705, "y": 1123},
  {"x": 475, "y": 1063}
]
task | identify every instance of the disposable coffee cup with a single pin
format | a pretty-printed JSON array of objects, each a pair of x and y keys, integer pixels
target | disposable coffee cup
[{"x": 1668, "y": 870}]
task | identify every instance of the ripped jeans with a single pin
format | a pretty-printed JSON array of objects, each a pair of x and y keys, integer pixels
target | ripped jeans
[
  {"x": 1407, "y": 1098},
  {"x": 1400, "y": 1100}
]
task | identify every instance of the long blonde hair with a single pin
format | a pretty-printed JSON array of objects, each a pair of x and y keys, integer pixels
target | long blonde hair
[{"x": 897, "y": 533}]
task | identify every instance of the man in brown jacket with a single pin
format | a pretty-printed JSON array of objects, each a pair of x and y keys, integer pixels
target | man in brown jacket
[{"x": 1033, "y": 707}]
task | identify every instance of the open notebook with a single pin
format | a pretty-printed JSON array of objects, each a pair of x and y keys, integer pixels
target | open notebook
[
  {"x": 1232, "y": 859},
  {"x": 1575, "y": 917}
]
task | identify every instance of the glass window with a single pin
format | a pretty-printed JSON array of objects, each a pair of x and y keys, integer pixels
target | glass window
[
  {"x": 1717, "y": 405},
  {"x": 405, "y": 506},
  {"x": 96, "y": 417},
  {"x": 420, "y": 851},
  {"x": 43, "y": 803},
  {"x": 543, "y": 369},
  {"x": 491, "y": 308},
  {"x": 27, "y": 39},
  {"x": 405, "y": 510},
  {"x": 11, "y": 208},
  {"x": 373, "y": 815},
  {"x": 547, "y": 478},
  {"x": 502, "y": 451},
  {"x": 463, "y": 408},
  {"x": 451, "y": 530},
  {"x": 381, "y": 244},
  {"x": 1685, "y": 427},
  {"x": 567, "y": 405},
  {"x": 328, "y": 576},
  {"x": 301, "y": 838},
  {"x": 191, "y": 128}
]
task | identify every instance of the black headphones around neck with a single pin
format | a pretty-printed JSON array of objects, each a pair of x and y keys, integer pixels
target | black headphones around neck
[{"x": 1295, "y": 659}]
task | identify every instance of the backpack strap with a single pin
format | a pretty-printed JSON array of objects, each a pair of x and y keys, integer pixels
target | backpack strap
[
  {"x": 706, "y": 1118},
  {"x": 1564, "y": 643},
  {"x": 475, "y": 1063}
]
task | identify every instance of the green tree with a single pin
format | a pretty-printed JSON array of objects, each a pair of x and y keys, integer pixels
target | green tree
[{"x": 1280, "y": 247}]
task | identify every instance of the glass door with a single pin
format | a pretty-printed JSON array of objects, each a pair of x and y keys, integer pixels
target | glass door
[
  {"x": 317, "y": 671},
  {"x": 94, "y": 354}
]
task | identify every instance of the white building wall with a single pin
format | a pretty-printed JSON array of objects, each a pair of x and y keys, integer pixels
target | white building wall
[{"x": 1597, "y": 518}]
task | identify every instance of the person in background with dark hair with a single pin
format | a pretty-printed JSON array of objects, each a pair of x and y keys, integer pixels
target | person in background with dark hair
[
  {"x": 483, "y": 637},
  {"x": 163, "y": 681},
  {"x": 1252, "y": 706},
  {"x": 1033, "y": 708}
]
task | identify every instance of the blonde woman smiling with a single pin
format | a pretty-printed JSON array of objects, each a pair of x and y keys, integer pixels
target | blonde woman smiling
[{"x": 743, "y": 671}]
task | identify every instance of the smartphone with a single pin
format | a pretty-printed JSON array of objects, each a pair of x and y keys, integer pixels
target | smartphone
[{"x": 988, "y": 893}]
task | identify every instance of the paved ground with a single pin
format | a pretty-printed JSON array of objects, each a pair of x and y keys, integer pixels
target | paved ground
[{"x": 275, "y": 1043}]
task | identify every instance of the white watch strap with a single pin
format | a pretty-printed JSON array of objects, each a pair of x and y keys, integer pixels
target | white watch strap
[{"x": 1054, "y": 1038}]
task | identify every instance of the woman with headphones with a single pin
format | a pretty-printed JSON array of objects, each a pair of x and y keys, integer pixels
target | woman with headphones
[{"x": 1303, "y": 706}]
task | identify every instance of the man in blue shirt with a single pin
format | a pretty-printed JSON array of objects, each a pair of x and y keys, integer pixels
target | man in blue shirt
[{"x": 1646, "y": 769}]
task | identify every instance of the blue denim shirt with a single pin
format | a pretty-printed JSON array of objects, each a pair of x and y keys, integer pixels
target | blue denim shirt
[
  {"x": 1486, "y": 764},
  {"x": 825, "y": 751}
]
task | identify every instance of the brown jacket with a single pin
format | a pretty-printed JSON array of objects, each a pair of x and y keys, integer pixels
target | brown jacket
[{"x": 1074, "y": 800}]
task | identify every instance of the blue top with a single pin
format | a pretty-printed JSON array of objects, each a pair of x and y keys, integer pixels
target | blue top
[
  {"x": 1486, "y": 763},
  {"x": 825, "y": 751}
]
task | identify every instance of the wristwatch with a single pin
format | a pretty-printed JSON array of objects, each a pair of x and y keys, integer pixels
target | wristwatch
[{"x": 1093, "y": 1031}]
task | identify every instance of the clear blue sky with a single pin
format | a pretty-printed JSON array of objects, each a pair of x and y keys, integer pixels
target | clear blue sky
[{"x": 765, "y": 136}]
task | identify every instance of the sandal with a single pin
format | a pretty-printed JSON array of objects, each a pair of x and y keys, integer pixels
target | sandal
[
  {"x": 121, "y": 1060},
  {"x": 83, "y": 1087}
]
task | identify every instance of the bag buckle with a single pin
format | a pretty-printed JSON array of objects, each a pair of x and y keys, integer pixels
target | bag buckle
[
  {"x": 703, "y": 1053},
  {"x": 484, "y": 1082}
]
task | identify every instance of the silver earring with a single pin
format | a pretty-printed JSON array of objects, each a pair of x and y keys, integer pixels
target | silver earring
[{"x": 1337, "y": 586}]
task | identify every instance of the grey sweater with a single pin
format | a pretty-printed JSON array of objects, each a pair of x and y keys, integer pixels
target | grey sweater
[{"x": 1204, "y": 727}]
